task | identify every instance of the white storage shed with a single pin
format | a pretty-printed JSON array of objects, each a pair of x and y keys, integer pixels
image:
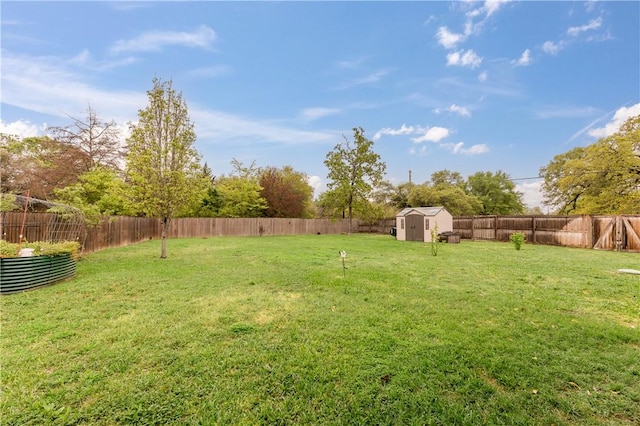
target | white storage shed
[{"x": 416, "y": 223}]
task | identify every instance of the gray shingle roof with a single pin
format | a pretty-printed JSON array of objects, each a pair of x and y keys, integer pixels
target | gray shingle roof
[{"x": 425, "y": 211}]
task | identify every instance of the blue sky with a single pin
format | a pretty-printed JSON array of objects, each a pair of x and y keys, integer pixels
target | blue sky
[{"x": 464, "y": 86}]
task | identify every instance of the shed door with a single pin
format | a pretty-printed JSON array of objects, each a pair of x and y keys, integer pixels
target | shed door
[{"x": 415, "y": 228}]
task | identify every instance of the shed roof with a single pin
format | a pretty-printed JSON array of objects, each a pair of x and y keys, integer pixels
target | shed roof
[{"x": 425, "y": 211}]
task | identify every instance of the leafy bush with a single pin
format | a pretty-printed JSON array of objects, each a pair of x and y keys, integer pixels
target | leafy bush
[
  {"x": 41, "y": 248},
  {"x": 517, "y": 239}
]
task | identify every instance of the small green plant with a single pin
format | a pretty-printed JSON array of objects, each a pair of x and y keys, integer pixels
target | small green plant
[
  {"x": 518, "y": 239},
  {"x": 435, "y": 241}
]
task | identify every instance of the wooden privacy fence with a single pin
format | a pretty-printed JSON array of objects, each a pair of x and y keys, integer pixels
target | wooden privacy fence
[
  {"x": 620, "y": 232},
  {"x": 120, "y": 231},
  {"x": 382, "y": 226}
]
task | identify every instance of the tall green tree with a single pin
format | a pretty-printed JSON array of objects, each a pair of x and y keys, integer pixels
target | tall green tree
[
  {"x": 602, "y": 178},
  {"x": 163, "y": 166},
  {"x": 354, "y": 170},
  {"x": 497, "y": 193}
]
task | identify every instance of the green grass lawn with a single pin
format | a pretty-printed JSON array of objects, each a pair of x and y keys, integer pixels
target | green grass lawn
[{"x": 268, "y": 330}]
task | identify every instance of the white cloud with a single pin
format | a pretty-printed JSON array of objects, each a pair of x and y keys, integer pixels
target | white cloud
[
  {"x": 476, "y": 149},
  {"x": 552, "y": 48},
  {"x": 81, "y": 58},
  {"x": 425, "y": 134},
  {"x": 488, "y": 8},
  {"x": 403, "y": 130},
  {"x": 86, "y": 60},
  {"x": 432, "y": 134},
  {"x": 458, "y": 148},
  {"x": 372, "y": 78},
  {"x": 47, "y": 86},
  {"x": 565, "y": 112},
  {"x": 524, "y": 60},
  {"x": 430, "y": 19},
  {"x": 448, "y": 39},
  {"x": 420, "y": 152},
  {"x": 573, "y": 35},
  {"x": 318, "y": 185},
  {"x": 463, "y": 58},
  {"x": 456, "y": 109},
  {"x": 492, "y": 6},
  {"x": 531, "y": 193},
  {"x": 154, "y": 41},
  {"x": 219, "y": 128},
  {"x": 22, "y": 128},
  {"x": 483, "y": 76},
  {"x": 52, "y": 86},
  {"x": 351, "y": 64},
  {"x": 590, "y": 5},
  {"x": 620, "y": 116},
  {"x": 318, "y": 112},
  {"x": 594, "y": 24}
]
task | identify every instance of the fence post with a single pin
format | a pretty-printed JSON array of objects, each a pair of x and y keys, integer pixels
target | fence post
[
  {"x": 495, "y": 228},
  {"x": 588, "y": 231},
  {"x": 533, "y": 229}
]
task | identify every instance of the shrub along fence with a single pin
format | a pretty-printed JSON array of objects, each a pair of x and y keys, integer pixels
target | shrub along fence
[{"x": 621, "y": 232}]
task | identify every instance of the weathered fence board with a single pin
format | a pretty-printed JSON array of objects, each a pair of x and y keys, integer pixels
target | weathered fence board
[
  {"x": 620, "y": 232},
  {"x": 120, "y": 231},
  {"x": 600, "y": 232},
  {"x": 382, "y": 226}
]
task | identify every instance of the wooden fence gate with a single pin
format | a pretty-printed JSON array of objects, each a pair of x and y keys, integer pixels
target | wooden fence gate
[{"x": 615, "y": 233}]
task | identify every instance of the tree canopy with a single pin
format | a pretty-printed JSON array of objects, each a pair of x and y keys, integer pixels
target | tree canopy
[
  {"x": 496, "y": 193},
  {"x": 354, "y": 171},
  {"x": 163, "y": 166},
  {"x": 452, "y": 197},
  {"x": 97, "y": 193},
  {"x": 39, "y": 165},
  {"x": 601, "y": 178},
  {"x": 286, "y": 191}
]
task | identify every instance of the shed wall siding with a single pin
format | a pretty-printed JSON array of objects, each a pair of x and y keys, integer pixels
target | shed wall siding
[
  {"x": 401, "y": 232},
  {"x": 443, "y": 220}
]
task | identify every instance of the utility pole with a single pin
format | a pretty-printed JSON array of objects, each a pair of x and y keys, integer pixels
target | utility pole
[{"x": 409, "y": 177}]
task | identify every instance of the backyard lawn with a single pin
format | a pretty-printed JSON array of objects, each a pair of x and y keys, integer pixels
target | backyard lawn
[{"x": 273, "y": 330}]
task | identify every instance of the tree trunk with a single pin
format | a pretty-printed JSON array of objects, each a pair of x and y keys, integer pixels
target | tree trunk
[
  {"x": 163, "y": 250},
  {"x": 350, "y": 218}
]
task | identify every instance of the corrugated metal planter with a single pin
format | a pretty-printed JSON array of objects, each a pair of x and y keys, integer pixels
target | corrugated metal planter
[{"x": 24, "y": 273}]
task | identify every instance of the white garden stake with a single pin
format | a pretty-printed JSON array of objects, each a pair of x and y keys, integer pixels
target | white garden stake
[{"x": 343, "y": 255}]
